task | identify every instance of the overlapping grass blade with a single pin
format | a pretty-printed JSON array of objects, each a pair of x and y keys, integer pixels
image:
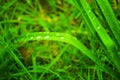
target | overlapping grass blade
[
  {"x": 8, "y": 5},
  {"x": 110, "y": 18},
  {"x": 17, "y": 60},
  {"x": 54, "y": 61},
  {"x": 87, "y": 21},
  {"x": 95, "y": 24},
  {"x": 104, "y": 37},
  {"x": 63, "y": 37}
]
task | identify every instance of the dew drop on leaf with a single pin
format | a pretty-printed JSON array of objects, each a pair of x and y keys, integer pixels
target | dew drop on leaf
[
  {"x": 38, "y": 37},
  {"x": 31, "y": 37},
  {"x": 98, "y": 27},
  {"x": 62, "y": 38},
  {"x": 46, "y": 37},
  {"x": 89, "y": 11}
]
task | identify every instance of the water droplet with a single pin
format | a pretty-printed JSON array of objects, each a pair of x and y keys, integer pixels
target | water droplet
[
  {"x": 98, "y": 27},
  {"x": 89, "y": 11},
  {"x": 62, "y": 38},
  {"x": 31, "y": 37},
  {"x": 46, "y": 37},
  {"x": 38, "y": 37}
]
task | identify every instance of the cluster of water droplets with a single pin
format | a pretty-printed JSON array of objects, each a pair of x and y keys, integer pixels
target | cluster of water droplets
[{"x": 44, "y": 36}]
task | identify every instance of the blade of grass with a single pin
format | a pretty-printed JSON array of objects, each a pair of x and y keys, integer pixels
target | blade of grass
[
  {"x": 89, "y": 24},
  {"x": 62, "y": 37},
  {"x": 95, "y": 24},
  {"x": 17, "y": 60},
  {"x": 37, "y": 68},
  {"x": 107, "y": 41},
  {"x": 110, "y": 18},
  {"x": 99, "y": 74},
  {"x": 8, "y": 5},
  {"x": 85, "y": 17},
  {"x": 53, "y": 62},
  {"x": 88, "y": 78}
]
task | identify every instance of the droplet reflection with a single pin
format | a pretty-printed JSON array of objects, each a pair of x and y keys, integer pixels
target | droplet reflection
[
  {"x": 62, "y": 38},
  {"x": 46, "y": 37},
  {"x": 98, "y": 27},
  {"x": 31, "y": 37},
  {"x": 38, "y": 37}
]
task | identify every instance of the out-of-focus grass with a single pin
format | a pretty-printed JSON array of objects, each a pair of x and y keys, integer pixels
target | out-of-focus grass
[{"x": 26, "y": 52}]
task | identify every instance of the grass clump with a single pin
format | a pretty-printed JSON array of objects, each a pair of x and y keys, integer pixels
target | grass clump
[{"x": 59, "y": 40}]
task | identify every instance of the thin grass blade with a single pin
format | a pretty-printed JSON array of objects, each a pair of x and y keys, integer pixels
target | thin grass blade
[{"x": 110, "y": 18}]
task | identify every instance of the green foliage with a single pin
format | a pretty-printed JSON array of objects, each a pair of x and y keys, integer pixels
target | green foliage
[{"x": 59, "y": 40}]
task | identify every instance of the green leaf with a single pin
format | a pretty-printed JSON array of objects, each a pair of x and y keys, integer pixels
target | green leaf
[
  {"x": 110, "y": 18},
  {"x": 96, "y": 27},
  {"x": 62, "y": 37}
]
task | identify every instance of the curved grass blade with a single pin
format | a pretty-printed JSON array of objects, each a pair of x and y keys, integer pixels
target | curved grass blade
[{"x": 62, "y": 37}]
